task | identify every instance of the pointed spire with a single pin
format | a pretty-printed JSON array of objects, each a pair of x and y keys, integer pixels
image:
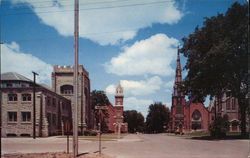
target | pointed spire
[{"x": 178, "y": 76}]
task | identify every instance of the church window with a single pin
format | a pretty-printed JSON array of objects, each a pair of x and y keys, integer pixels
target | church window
[
  {"x": 233, "y": 104},
  {"x": 228, "y": 104},
  {"x": 196, "y": 115}
]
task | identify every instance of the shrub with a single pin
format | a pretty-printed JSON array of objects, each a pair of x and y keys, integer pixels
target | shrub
[
  {"x": 90, "y": 133},
  {"x": 219, "y": 127}
]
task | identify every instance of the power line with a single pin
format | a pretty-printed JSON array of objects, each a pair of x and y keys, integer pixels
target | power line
[{"x": 93, "y": 8}]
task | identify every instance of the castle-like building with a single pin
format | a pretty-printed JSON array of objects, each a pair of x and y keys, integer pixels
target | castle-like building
[
  {"x": 62, "y": 84},
  {"x": 188, "y": 116}
]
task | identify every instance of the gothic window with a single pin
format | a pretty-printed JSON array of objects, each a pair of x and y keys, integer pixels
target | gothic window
[
  {"x": 196, "y": 115},
  {"x": 228, "y": 104},
  {"x": 178, "y": 109},
  {"x": 233, "y": 104},
  {"x": 12, "y": 97},
  {"x": 26, "y": 97},
  {"x": 26, "y": 116},
  {"x": 12, "y": 116},
  {"x": 66, "y": 89}
]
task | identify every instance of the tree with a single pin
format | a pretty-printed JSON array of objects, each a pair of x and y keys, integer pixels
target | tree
[
  {"x": 217, "y": 57},
  {"x": 219, "y": 127},
  {"x": 135, "y": 121},
  {"x": 158, "y": 117},
  {"x": 99, "y": 98}
]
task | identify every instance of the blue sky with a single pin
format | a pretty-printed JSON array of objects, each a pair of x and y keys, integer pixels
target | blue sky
[{"x": 129, "y": 41}]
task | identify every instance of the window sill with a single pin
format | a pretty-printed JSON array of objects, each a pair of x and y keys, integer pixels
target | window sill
[
  {"x": 12, "y": 122},
  {"x": 26, "y": 122},
  {"x": 12, "y": 102},
  {"x": 26, "y": 102}
]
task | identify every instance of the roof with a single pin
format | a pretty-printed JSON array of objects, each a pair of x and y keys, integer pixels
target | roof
[{"x": 13, "y": 76}]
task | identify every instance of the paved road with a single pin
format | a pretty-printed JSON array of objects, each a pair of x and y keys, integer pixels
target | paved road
[{"x": 138, "y": 146}]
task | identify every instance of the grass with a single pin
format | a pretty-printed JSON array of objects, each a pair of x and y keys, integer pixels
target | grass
[
  {"x": 206, "y": 136},
  {"x": 104, "y": 137}
]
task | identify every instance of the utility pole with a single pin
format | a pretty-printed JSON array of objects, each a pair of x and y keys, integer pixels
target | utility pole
[
  {"x": 34, "y": 105},
  {"x": 75, "y": 112}
]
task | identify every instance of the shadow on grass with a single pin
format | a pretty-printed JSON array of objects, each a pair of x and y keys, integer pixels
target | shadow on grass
[{"x": 228, "y": 137}]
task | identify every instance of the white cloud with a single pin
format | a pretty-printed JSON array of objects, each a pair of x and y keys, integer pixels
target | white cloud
[
  {"x": 13, "y": 60},
  {"x": 142, "y": 87},
  {"x": 107, "y": 22},
  {"x": 140, "y": 105},
  {"x": 169, "y": 86},
  {"x": 150, "y": 56}
]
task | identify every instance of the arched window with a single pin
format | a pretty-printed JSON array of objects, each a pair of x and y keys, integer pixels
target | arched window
[
  {"x": 196, "y": 120},
  {"x": 66, "y": 89},
  {"x": 196, "y": 115}
]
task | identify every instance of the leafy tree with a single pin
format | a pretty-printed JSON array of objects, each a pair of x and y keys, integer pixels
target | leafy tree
[
  {"x": 217, "y": 57},
  {"x": 135, "y": 121},
  {"x": 158, "y": 117},
  {"x": 219, "y": 127},
  {"x": 99, "y": 98}
]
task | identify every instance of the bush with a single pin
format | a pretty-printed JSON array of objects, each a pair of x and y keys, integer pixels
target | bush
[
  {"x": 90, "y": 133},
  {"x": 11, "y": 135},
  {"x": 219, "y": 127},
  {"x": 25, "y": 135}
]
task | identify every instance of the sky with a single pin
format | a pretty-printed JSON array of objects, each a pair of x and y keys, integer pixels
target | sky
[{"x": 132, "y": 42}]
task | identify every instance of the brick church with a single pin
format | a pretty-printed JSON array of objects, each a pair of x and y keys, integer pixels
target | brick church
[
  {"x": 188, "y": 116},
  {"x": 115, "y": 120}
]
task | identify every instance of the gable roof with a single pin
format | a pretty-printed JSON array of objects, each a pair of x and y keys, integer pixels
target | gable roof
[{"x": 13, "y": 76}]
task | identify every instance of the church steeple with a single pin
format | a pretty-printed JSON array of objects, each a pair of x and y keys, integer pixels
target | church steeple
[{"x": 178, "y": 76}]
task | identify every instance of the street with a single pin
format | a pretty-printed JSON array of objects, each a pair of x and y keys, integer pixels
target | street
[{"x": 136, "y": 146}]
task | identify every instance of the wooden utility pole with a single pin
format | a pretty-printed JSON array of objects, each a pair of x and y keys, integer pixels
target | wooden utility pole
[
  {"x": 34, "y": 105},
  {"x": 75, "y": 112}
]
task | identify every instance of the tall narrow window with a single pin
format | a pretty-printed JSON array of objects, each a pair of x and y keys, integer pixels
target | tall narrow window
[
  {"x": 26, "y": 116},
  {"x": 233, "y": 104},
  {"x": 12, "y": 97},
  {"x": 12, "y": 116},
  {"x": 228, "y": 104},
  {"x": 26, "y": 97}
]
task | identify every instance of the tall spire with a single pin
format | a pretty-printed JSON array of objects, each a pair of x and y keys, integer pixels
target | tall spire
[{"x": 178, "y": 76}]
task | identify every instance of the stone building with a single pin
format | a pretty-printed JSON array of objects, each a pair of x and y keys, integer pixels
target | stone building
[
  {"x": 52, "y": 110},
  {"x": 115, "y": 120},
  {"x": 62, "y": 84}
]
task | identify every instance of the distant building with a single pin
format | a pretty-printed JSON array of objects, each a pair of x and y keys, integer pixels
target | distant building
[
  {"x": 190, "y": 116},
  {"x": 62, "y": 84},
  {"x": 52, "y": 110},
  {"x": 227, "y": 105},
  {"x": 115, "y": 113}
]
